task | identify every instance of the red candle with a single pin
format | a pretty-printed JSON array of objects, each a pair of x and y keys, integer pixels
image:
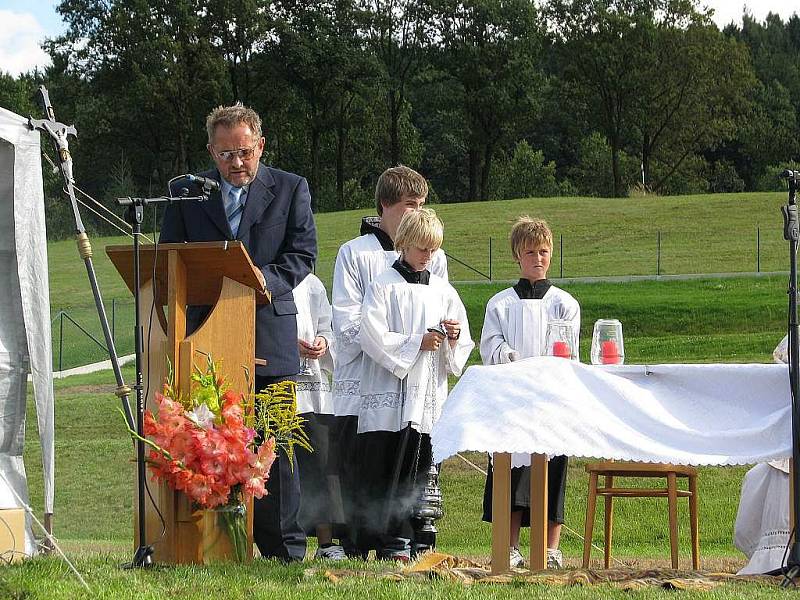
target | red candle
[
  {"x": 609, "y": 353},
  {"x": 561, "y": 349}
]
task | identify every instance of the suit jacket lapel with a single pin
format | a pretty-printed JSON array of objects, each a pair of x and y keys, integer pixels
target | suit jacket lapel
[
  {"x": 259, "y": 197},
  {"x": 215, "y": 208}
]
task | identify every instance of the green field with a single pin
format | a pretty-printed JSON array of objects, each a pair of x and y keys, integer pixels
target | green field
[
  {"x": 737, "y": 319},
  {"x": 733, "y": 320},
  {"x": 602, "y": 237}
]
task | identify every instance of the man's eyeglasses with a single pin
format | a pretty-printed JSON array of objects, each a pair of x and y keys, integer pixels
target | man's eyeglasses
[{"x": 241, "y": 153}]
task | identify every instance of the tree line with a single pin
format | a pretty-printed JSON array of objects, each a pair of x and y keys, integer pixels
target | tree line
[{"x": 490, "y": 99}]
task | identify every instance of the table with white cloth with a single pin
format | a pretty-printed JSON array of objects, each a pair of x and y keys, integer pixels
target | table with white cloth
[{"x": 694, "y": 414}]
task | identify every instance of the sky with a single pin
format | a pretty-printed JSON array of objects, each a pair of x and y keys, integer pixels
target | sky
[{"x": 25, "y": 23}]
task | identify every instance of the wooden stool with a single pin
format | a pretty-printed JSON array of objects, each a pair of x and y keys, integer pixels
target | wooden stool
[{"x": 611, "y": 469}]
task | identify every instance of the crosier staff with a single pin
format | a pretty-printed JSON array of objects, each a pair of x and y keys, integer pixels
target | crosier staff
[{"x": 59, "y": 134}]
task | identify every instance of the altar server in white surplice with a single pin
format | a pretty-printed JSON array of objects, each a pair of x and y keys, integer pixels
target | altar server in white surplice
[
  {"x": 321, "y": 513},
  {"x": 399, "y": 190},
  {"x": 762, "y": 523},
  {"x": 514, "y": 328},
  {"x": 414, "y": 332}
]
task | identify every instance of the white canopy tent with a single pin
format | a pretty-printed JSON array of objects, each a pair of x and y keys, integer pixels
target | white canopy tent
[{"x": 25, "y": 342}]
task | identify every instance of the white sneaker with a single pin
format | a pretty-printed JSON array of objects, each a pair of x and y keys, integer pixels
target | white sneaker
[
  {"x": 331, "y": 553},
  {"x": 555, "y": 560},
  {"x": 515, "y": 559}
]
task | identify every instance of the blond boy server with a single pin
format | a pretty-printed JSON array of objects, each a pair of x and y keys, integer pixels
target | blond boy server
[
  {"x": 514, "y": 328},
  {"x": 414, "y": 332}
]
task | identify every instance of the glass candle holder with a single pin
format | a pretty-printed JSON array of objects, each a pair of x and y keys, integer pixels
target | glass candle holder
[
  {"x": 560, "y": 340},
  {"x": 607, "y": 345}
]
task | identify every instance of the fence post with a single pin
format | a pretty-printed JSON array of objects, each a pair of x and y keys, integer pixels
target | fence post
[
  {"x": 490, "y": 258},
  {"x": 561, "y": 254},
  {"x": 60, "y": 339},
  {"x": 658, "y": 257},
  {"x": 758, "y": 249}
]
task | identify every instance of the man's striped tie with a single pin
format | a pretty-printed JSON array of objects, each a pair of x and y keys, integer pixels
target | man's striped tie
[{"x": 233, "y": 209}]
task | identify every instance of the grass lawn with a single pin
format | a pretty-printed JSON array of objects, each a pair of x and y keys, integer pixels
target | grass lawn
[
  {"x": 726, "y": 320},
  {"x": 715, "y": 233}
]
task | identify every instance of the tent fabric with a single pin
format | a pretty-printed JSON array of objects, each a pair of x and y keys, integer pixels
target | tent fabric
[
  {"x": 703, "y": 414},
  {"x": 25, "y": 336}
]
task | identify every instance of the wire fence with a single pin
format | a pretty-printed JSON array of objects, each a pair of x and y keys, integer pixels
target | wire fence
[
  {"x": 628, "y": 253},
  {"x": 78, "y": 338}
]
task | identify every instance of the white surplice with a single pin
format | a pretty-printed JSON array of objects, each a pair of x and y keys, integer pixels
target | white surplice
[
  {"x": 358, "y": 263},
  {"x": 402, "y": 384},
  {"x": 313, "y": 320},
  {"x": 514, "y": 329},
  {"x": 762, "y": 523}
]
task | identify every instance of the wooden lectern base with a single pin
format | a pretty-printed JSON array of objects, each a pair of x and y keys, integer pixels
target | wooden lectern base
[{"x": 196, "y": 536}]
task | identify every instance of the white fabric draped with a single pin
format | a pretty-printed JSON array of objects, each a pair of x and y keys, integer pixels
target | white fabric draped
[
  {"x": 25, "y": 343},
  {"x": 703, "y": 414}
]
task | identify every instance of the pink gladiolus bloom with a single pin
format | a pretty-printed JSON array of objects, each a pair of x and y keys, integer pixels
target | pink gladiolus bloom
[
  {"x": 198, "y": 489},
  {"x": 256, "y": 487}
]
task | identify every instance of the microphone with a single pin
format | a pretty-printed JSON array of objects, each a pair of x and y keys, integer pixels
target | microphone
[{"x": 207, "y": 183}]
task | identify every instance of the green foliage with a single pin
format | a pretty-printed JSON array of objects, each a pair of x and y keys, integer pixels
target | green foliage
[
  {"x": 348, "y": 87},
  {"x": 771, "y": 180},
  {"x": 592, "y": 174},
  {"x": 724, "y": 178},
  {"x": 275, "y": 414},
  {"x": 526, "y": 175},
  {"x": 489, "y": 51}
]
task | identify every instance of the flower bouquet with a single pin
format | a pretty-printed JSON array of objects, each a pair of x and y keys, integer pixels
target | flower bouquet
[{"x": 216, "y": 446}]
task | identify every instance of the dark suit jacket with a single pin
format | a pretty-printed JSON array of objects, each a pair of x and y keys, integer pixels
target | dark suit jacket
[{"x": 277, "y": 228}]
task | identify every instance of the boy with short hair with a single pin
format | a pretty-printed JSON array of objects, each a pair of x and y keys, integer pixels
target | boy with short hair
[
  {"x": 320, "y": 510},
  {"x": 399, "y": 190},
  {"x": 414, "y": 332},
  {"x": 514, "y": 328}
]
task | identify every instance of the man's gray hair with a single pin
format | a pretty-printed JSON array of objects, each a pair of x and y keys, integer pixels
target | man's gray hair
[{"x": 233, "y": 116}]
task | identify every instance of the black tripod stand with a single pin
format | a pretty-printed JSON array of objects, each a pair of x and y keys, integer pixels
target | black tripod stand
[
  {"x": 791, "y": 234},
  {"x": 134, "y": 216}
]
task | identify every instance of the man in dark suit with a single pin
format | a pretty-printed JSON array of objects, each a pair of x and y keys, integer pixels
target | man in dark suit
[{"x": 269, "y": 211}]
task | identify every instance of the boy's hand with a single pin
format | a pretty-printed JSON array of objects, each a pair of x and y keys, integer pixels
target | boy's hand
[
  {"x": 453, "y": 328},
  {"x": 313, "y": 351},
  {"x": 431, "y": 341}
]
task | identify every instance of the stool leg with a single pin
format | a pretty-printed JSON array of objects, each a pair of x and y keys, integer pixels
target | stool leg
[
  {"x": 591, "y": 504},
  {"x": 693, "y": 517},
  {"x": 609, "y": 524},
  {"x": 672, "y": 495}
]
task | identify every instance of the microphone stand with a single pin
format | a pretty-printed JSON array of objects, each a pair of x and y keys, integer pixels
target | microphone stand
[
  {"x": 791, "y": 234},
  {"x": 134, "y": 216}
]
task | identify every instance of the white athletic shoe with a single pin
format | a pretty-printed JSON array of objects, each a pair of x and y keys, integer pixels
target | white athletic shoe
[
  {"x": 331, "y": 553},
  {"x": 555, "y": 560},
  {"x": 515, "y": 559}
]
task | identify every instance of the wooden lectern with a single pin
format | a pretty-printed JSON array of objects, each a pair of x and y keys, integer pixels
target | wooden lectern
[{"x": 222, "y": 276}]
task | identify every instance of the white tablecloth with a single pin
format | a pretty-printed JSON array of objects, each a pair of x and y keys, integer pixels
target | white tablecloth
[{"x": 699, "y": 414}]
